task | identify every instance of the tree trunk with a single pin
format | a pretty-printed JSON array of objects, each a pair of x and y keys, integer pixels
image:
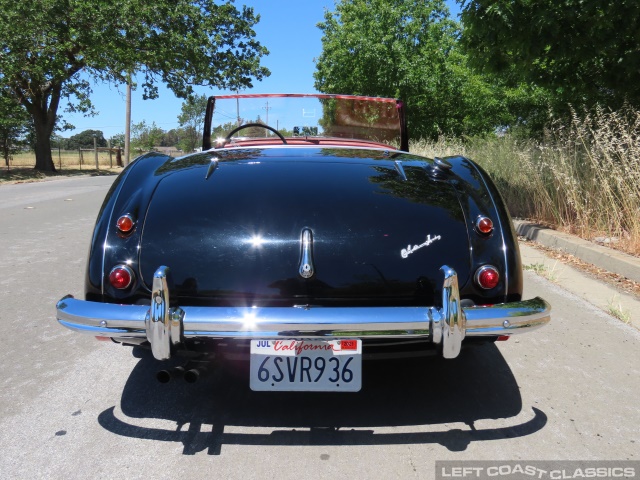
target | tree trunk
[
  {"x": 6, "y": 150},
  {"x": 43, "y": 111},
  {"x": 44, "y": 160}
]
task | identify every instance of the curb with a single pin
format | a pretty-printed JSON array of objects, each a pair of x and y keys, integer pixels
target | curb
[{"x": 602, "y": 257}]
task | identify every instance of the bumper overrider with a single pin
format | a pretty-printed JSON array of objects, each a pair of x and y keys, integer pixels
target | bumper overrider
[{"x": 166, "y": 327}]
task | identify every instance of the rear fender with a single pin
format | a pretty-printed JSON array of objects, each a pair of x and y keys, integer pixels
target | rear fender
[
  {"x": 130, "y": 193},
  {"x": 479, "y": 196}
]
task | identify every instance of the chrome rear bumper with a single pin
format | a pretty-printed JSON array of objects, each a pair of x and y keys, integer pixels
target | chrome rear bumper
[{"x": 166, "y": 327}]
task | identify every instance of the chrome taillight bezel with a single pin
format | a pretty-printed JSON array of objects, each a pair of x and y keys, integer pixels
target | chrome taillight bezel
[
  {"x": 128, "y": 217},
  {"x": 130, "y": 272},
  {"x": 481, "y": 271},
  {"x": 481, "y": 228}
]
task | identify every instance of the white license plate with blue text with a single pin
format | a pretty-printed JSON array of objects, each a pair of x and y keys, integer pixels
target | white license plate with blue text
[{"x": 306, "y": 365}]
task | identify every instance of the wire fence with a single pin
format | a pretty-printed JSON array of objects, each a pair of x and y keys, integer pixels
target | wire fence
[{"x": 89, "y": 159}]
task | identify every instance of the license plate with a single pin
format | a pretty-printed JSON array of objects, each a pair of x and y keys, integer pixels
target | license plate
[{"x": 306, "y": 365}]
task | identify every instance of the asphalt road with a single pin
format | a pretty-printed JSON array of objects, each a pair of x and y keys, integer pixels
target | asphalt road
[{"x": 72, "y": 407}]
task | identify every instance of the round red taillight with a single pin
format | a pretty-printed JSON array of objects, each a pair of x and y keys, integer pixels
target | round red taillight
[
  {"x": 487, "y": 277},
  {"x": 484, "y": 225},
  {"x": 125, "y": 223},
  {"x": 121, "y": 276}
]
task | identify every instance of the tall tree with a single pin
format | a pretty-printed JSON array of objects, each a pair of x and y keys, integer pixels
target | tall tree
[
  {"x": 146, "y": 137},
  {"x": 582, "y": 52},
  {"x": 50, "y": 48},
  {"x": 85, "y": 138},
  {"x": 408, "y": 50},
  {"x": 191, "y": 119},
  {"x": 14, "y": 125},
  {"x": 171, "y": 138}
]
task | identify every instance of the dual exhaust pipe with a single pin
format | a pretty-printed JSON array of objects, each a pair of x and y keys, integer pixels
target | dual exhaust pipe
[{"x": 190, "y": 375}]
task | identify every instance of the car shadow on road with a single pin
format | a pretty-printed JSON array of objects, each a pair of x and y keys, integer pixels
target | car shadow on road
[{"x": 478, "y": 385}]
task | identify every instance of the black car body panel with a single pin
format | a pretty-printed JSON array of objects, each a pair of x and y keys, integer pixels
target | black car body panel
[
  {"x": 235, "y": 236},
  {"x": 326, "y": 234},
  {"x": 239, "y": 239}
]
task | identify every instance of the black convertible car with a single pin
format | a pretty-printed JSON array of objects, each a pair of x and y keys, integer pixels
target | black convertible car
[{"x": 303, "y": 237}]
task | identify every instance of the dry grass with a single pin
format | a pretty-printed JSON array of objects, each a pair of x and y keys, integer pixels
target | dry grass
[
  {"x": 584, "y": 178},
  {"x": 67, "y": 164},
  {"x": 66, "y": 159}
]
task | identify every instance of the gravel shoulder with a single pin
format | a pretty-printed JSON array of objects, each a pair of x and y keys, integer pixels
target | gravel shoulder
[{"x": 612, "y": 293}]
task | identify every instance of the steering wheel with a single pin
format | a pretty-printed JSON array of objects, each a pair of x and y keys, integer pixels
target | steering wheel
[{"x": 247, "y": 125}]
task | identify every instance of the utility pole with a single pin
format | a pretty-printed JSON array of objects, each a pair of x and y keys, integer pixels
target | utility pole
[
  {"x": 267, "y": 108},
  {"x": 238, "y": 108},
  {"x": 127, "y": 126}
]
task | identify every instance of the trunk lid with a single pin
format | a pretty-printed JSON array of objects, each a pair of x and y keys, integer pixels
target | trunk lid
[{"x": 236, "y": 238}]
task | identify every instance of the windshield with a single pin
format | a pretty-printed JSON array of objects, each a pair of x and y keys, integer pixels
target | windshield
[{"x": 299, "y": 117}]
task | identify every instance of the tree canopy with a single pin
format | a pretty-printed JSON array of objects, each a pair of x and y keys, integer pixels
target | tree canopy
[
  {"x": 408, "y": 50},
  {"x": 582, "y": 52},
  {"x": 84, "y": 139},
  {"x": 50, "y": 48},
  {"x": 146, "y": 137},
  {"x": 191, "y": 119},
  {"x": 14, "y": 125}
]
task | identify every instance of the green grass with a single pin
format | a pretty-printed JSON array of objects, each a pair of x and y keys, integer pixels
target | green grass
[
  {"x": 544, "y": 271},
  {"x": 617, "y": 311}
]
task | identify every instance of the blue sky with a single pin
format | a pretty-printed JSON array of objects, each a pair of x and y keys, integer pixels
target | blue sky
[{"x": 287, "y": 28}]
